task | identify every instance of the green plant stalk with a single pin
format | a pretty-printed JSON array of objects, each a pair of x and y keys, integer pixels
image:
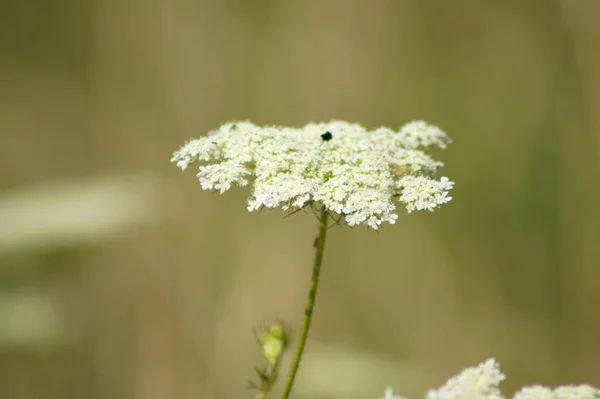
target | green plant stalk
[{"x": 310, "y": 303}]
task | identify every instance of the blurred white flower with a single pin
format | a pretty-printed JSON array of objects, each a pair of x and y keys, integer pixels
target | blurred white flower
[
  {"x": 481, "y": 382},
  {"x": 351, "y": 171},
  {"x": 577, "y": 392},
  {"x": 534, "y": 392},
  {"x": 562, "y": 392}
]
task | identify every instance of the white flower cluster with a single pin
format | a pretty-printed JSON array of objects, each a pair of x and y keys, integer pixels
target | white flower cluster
[
  {"x": 475, "y": 382},
  {"x": 351, "y": 171},
  {"x": 482, "y": 382},
  {"x": 562, "y": 392}
]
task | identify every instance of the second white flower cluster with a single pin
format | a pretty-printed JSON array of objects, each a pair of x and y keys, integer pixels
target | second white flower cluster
[{"x": 483, "y": 381}]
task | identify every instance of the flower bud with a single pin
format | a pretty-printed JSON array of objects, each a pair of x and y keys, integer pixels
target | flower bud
[{"x": 273, "y": 341}]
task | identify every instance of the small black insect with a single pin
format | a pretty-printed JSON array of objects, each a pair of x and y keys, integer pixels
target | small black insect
[{"x": 327, "y": 136}]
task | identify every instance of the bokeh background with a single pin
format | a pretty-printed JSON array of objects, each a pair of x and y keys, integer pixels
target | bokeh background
[{"x": 121, "y": 278}]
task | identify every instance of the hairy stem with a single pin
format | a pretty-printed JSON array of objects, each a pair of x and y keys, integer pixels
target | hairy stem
[{"x": 310, "y": 303}]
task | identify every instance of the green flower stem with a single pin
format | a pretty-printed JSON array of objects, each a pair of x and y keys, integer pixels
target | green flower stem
[{"x": 310, "y": 302}]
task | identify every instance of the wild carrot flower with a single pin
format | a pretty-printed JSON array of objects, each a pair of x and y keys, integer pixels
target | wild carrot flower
[
  {"x": 352, "y": 172},
  {"x": 562, "y": 392},
  {"x": 482, "y": 382},
  {"x": 476, "y": 382}
]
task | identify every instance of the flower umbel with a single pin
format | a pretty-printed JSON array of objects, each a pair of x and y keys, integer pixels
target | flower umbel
[
  {"x": 353, "y": 172},
  {"x": 477, "y": 382},
  {"x": 562, "y": 392},
  {"x": 483, "y": 381}
]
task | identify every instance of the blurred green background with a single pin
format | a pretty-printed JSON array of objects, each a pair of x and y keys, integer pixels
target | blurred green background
[{"x": 121, "y": 278}]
